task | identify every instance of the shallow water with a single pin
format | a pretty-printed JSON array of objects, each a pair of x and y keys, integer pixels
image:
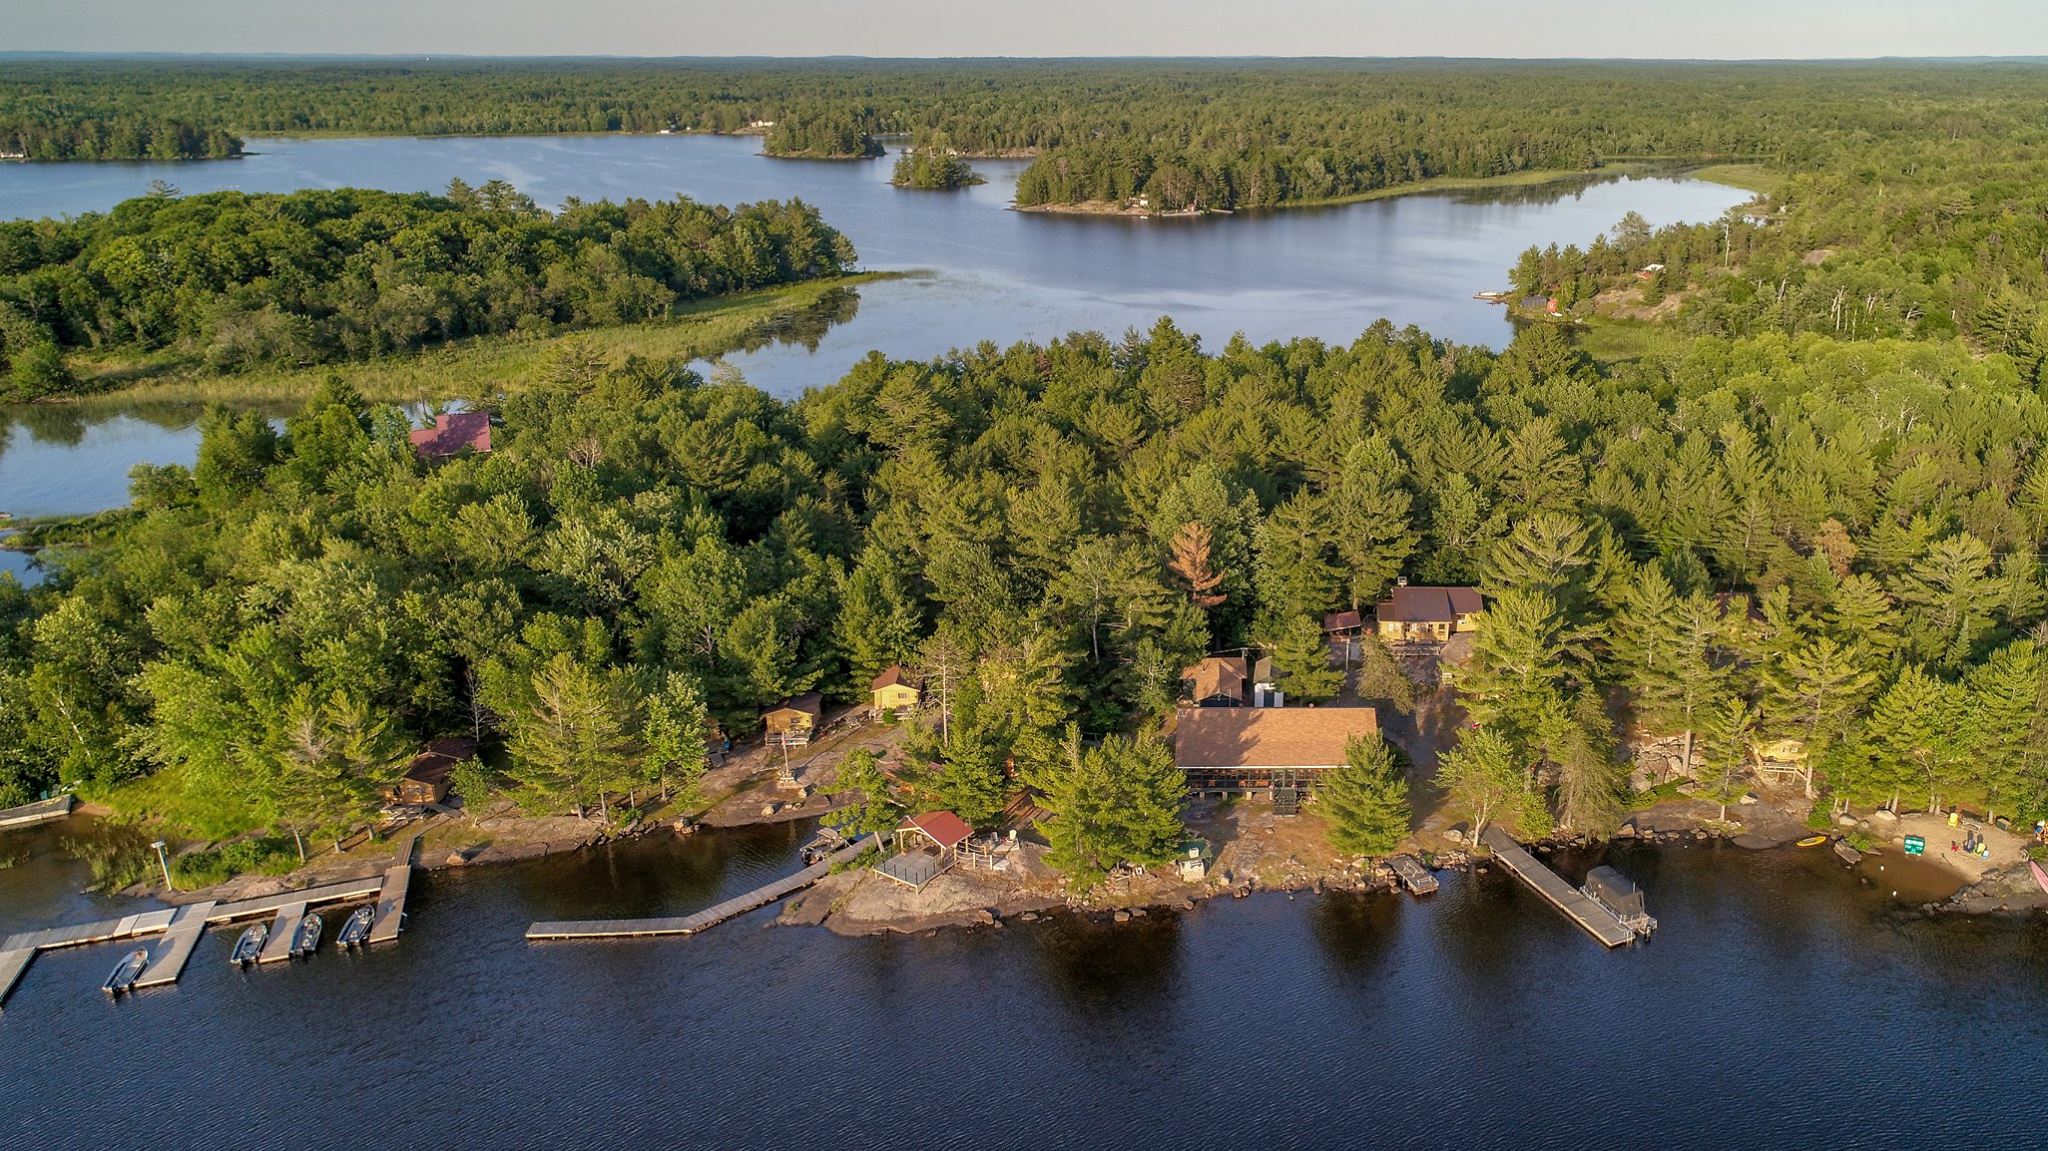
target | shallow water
[
  {"x": 1782, "y": 1003},
  {"x": 987, "y": 273}
]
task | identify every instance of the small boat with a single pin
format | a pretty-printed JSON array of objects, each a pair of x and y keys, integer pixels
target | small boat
[
  {"x": 356, "y": 931},
  {"x": 2040, "y": 876},
  {"x": 250, "y": 945},
  {"x": 127, "y": 971},
  {"x": 307, "y": 937},
  {"x": 1813, "y": 841}
]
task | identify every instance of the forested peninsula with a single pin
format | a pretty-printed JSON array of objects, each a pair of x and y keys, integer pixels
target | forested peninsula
[{"x": 232, "y": 280}]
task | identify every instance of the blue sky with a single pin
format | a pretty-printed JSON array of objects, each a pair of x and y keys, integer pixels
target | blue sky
[{"x": 1521, "y": 28}]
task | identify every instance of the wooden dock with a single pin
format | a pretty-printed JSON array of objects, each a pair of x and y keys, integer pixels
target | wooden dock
[
  {"x": 1415, "y": 877},
  {"x": 13, "y": 962},
  {"x": 105, "y": 930},
  {"x": 167, "y": 962},
  {"x": 391, "y": 905},
  {"x": 709, "y": 917},
  {"x": 278, "y": 947},
  {"x": 31, "y": 814},
  {"x": 1576, "y": 905}
]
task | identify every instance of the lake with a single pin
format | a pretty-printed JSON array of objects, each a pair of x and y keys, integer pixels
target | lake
[
  {"x": 984, "y": 272},
  {"x": 1782, "y": 1003}
]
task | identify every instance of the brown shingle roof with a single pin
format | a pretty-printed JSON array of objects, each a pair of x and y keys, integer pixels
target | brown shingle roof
[
  {"x": 1343, "y": 621},
  {"x": 948, "y": 829},
  {"x": 895, "y": 675},
  {"x": 439, "y": 757},
  {"x": 809, "y": 703},
  {"x": 1428, "y": 604},
  {"x": 1268, "y": 736}
]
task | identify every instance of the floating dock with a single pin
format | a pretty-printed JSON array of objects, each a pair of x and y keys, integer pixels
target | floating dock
[
  {"x": 183, "y": 926},
  {"x": 1576, "y": 905},
  {"x": 1415, "y": 877},
  {"x": 31, "y": 814},
  {"x": 283, "y": 930},
  {"x": 167, "y": 962},
  {"x": 709, "y": 917}
]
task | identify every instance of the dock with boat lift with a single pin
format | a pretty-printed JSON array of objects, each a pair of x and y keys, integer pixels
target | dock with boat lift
[
  {"x": 709, "y": 917},
  {"x": 1576, "y": 905}
]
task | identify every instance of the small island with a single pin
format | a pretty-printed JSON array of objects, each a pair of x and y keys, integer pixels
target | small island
[
  {"x": 933, "y": 166},
  {"x": 812, "y": 137}
]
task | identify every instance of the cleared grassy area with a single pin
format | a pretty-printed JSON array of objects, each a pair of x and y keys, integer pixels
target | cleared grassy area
[
  {"x": 1623, "y": 341},
  {"x": 465, "y": 368},
  {"x": 1750, "y": 177}
]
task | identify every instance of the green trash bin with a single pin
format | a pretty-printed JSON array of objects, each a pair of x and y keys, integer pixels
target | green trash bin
[{"x": 1915, "y": 845}]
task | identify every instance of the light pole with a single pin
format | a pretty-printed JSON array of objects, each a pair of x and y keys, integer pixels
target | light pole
[{"x": 164, "y": 862}]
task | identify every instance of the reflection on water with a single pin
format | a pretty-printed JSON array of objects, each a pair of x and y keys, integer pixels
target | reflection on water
[{"x": 1476, "y": 1017}]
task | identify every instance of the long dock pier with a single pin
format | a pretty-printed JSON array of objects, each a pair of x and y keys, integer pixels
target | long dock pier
[
  {"x": 709, "y": 917},
  {"x": 1576, "y": 905},
  {"x": 183, "y": 926}
]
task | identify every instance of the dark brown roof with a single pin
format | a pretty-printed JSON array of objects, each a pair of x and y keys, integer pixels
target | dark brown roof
[
  {"x": 439, "y": 757},
  {"x": 1268, "y": 736},
  {"x": 810, "y": 703},
  {"x": 452, "y": 433},
  {"x": 948, "y": 829},
  {"x": 895, "y": 675},
  {"x": 1428, "y": 604},
  {"x": 1343, "y": 621}
]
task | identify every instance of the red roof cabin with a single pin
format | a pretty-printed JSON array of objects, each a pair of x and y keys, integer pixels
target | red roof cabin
[{"x": 452, "y": 434}]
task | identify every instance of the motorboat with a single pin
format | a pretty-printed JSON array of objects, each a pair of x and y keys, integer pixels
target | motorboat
[
  {"x": 307, "y": 937},
  {"x": 355, "y": 932},
  {"x": 250, "y": 945},
  {"x": 127, "y": 971}
]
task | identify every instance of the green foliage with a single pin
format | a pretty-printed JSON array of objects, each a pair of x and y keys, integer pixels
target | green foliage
[
  {"x": 261, "y": 856},
  {"x": 1301, "y": 660},
  {"x": 1488, "y": 782},
  {"x": 874, "y": 809},
  {"x": 1112, "y": 804},
  {"x": 1365, "y": 800},
  {"x": 932, "y": 164},
  {"x": 326, "y": 275}
]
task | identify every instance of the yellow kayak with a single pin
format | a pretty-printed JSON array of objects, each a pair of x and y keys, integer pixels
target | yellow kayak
[{"x": 1813, "y": 841}]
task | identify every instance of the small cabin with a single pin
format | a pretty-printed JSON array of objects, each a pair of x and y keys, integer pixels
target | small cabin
[
  {"x": 1343, "y": 624},
  {"x": 795, "y": 720},
  {"x": 896, "y": 690},
  {"x": 426, "y": 779}
]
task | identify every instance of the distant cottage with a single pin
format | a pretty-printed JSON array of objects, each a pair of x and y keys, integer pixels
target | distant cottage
[
  {"x": 1231, "y": 681},
  {"x": 426, "y": 779},
  {"x": 792, "y": 722},
  {"x": 452, "y": 434}
]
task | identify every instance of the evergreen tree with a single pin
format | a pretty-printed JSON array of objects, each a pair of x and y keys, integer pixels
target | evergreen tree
[
  {"x": 874, "y": 810},
  {"x": 573, "y": 742},
  {"x": 1365, "y": 800},
  {"x": 1301, "y": 662},
  {"x": 1116, "y": 803}
]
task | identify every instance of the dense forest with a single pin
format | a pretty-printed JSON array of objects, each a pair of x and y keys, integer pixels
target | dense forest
[
  {"x": 237, "y": 279},
  {"x": 1738, "y": 539},
  {"x": 1220, "y": 134}
]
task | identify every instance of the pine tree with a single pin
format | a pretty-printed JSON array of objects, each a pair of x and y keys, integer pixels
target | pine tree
[
  {"x": 1913, "y": 730},
  {"x": 1188, "y": 560},
  {"x": 1117, "y": 803},
  {"x": 1730, "y": 729},
  {"x": 1296, "y": 576},
  {"x": 1548, "y": 553},
  {"x": 1369, "y": 519},
  {"x": 1301, "y": 661},
  {"x": 1812, "y": 692},
  {"x": 675, "y": 729},
  {"x": 574, "y": 741},
  {"x": 1365, "y": 800},
  {"x": 1518, "y": 674},
  {"x": 874, "y": 810},
  {"x": 2003, "y": 724}
]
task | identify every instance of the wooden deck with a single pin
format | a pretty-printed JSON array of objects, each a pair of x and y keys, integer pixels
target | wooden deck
[
  {"x": 168, "y": 961},
  {"x": 126, "y": 927},
  {"x": 709, "y": 917},
  {"x": 308, "y": 897},
  {"x": 1581, "y": 909},
  {"x": 31, "y": 814},
  {"x": 1415, "y": 877},
  {"x": 278, "y": 947}
]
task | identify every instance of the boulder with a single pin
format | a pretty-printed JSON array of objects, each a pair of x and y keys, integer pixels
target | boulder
[
  {"x": 1625, "y": 831},
  {"x": 1884, "y": 820},
  {"x": 1749, "y": 799},
  {"x": 1845, "y": 820},
  {"x": 1454, "y": 835},
  {"x": 1122, "y": 916},
  {"x": 770, "y": 808},
  {"x": 457, "y": 859}
]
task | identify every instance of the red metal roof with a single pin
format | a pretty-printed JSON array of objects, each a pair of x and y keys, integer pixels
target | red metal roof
[
  {"x": 1428, "y": 604},
  {"x": 452, "y": 433},
  {"x": 945, "y": 827}
]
